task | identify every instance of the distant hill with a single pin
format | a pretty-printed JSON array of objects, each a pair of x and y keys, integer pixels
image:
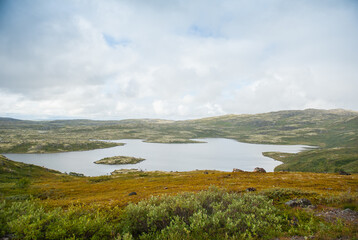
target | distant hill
[
  {"x": 4, "y": 119},
  {"x": 327, "y": 129}
]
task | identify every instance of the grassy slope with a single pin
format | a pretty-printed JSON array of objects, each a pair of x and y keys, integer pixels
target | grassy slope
[
  {"x": 320, "y": 160},
  {"x": 328, "y": 129},
  {"x": 12, "y": 171},
  {"x": 52, "y": 189},
  {"x": 57, "y": 189},
  {"x": 16, "y": 176}
]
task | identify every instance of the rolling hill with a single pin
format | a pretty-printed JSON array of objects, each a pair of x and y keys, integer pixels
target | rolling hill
[{"x": 326, "y": 129}]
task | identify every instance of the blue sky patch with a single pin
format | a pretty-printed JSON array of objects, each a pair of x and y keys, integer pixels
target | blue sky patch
[
  {"x": 113, "y": 42},
  {"x": 200, "y": 31}
]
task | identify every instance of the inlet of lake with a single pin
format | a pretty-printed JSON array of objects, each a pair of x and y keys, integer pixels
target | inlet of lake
[{"x": 216, "y": 154}]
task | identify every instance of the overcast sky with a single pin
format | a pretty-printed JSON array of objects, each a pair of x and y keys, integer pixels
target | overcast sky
[{"x": 175, "y": 59}]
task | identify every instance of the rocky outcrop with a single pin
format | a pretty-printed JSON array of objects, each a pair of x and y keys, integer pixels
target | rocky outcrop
[
  {"x": 303, "y": 202},
  {"x": 258, "y": 169},
  {"x": 333, "y": 214},
  {"x": 237, "y": 170}
]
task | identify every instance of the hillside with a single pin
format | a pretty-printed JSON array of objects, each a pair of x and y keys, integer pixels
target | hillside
[
  {"x": 327, "y": 129},
  {"x": 13, "y": 171},
  {"x": 42, "y": 204}
]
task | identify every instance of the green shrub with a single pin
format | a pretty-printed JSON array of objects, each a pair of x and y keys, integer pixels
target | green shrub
[
  {"x": 99, "y": 179},
  {"x": 23, "y": 183},
  {"x": 3, "y": 219},
  {"x": 341, "y": 200},
  {"x": 211, "y": 214},
  {"x": 28, "y": 220},
  {"x": 203, "y": 215},
  {"x": 284, "y": 194}
]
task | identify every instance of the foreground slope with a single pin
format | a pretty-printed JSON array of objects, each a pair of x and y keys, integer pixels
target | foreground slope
[{"x": 106, "y": 208}]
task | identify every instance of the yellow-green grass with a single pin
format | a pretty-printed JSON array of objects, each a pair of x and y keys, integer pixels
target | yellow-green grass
[
  {"x": 56, "y": 189},
  {"x": 113, "y": 191}
]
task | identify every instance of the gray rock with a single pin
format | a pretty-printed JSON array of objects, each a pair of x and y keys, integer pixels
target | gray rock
[
  {"x": 132, "y": 193},
  {"x": 312, "y": 207},
  {"x": 237, "y": 170},
  {"x": 303, "y": 202},
  {"x": 347, "y": 211}
]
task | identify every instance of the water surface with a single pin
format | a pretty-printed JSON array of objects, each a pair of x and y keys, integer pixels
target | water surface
[{"x": 216, "y": 154}]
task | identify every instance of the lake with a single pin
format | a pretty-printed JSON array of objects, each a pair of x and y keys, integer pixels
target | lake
[{"x": 216, "y": 154}]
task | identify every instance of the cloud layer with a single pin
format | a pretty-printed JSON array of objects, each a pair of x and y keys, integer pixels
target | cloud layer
[{"x": 175, "y": 59}]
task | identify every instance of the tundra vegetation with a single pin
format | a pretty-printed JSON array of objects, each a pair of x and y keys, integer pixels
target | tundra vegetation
[{"x": 39, "y": 203}]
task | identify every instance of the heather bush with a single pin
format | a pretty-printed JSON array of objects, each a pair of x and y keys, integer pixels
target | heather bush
[{"x": 203, "y": 215}]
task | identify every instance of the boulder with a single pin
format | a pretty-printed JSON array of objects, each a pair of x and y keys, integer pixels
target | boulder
[
  {"x": 237, "y": 170},
  {"x": 251, "y": 189},
  {"x": 303, "y": 202},
  {"x": 132, "y": 193},
  {"x": 343, "y": 173},
  {"x": 258, "y": 169}
]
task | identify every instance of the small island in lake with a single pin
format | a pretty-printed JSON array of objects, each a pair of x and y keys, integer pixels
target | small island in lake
[{"x": 119, "y": 160}]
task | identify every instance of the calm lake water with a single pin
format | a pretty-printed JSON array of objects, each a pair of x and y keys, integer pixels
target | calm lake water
[{"x": 216, "y": 154}]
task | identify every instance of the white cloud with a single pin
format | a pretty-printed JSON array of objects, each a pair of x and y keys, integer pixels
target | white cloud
[
  {"x": 125, "y": 59},
  {"x": 160, "y": 107}
]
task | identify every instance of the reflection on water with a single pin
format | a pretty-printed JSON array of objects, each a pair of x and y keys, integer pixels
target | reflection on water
[{"x": 216, "y": 154}]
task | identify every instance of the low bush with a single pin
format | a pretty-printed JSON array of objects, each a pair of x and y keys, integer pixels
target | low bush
[
  {"x": 205, "y": 215},
  {"x": 279, "y": 195},
  {"x": 28, "y": 220},
  {"x": 99, "y": 179}
]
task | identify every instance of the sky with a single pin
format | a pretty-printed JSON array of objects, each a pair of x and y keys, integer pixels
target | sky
[{"x": 118, "y": 59}]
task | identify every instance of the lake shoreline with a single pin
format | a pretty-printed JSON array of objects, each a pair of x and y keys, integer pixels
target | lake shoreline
[{"x": 216, "y": 154}]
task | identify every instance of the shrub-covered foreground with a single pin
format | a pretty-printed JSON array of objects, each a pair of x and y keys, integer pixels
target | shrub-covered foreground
[
  {"x": 211, "y": 214},
  {"x": 28, "y": 220},
  {"x": 208, "y": 214}
]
